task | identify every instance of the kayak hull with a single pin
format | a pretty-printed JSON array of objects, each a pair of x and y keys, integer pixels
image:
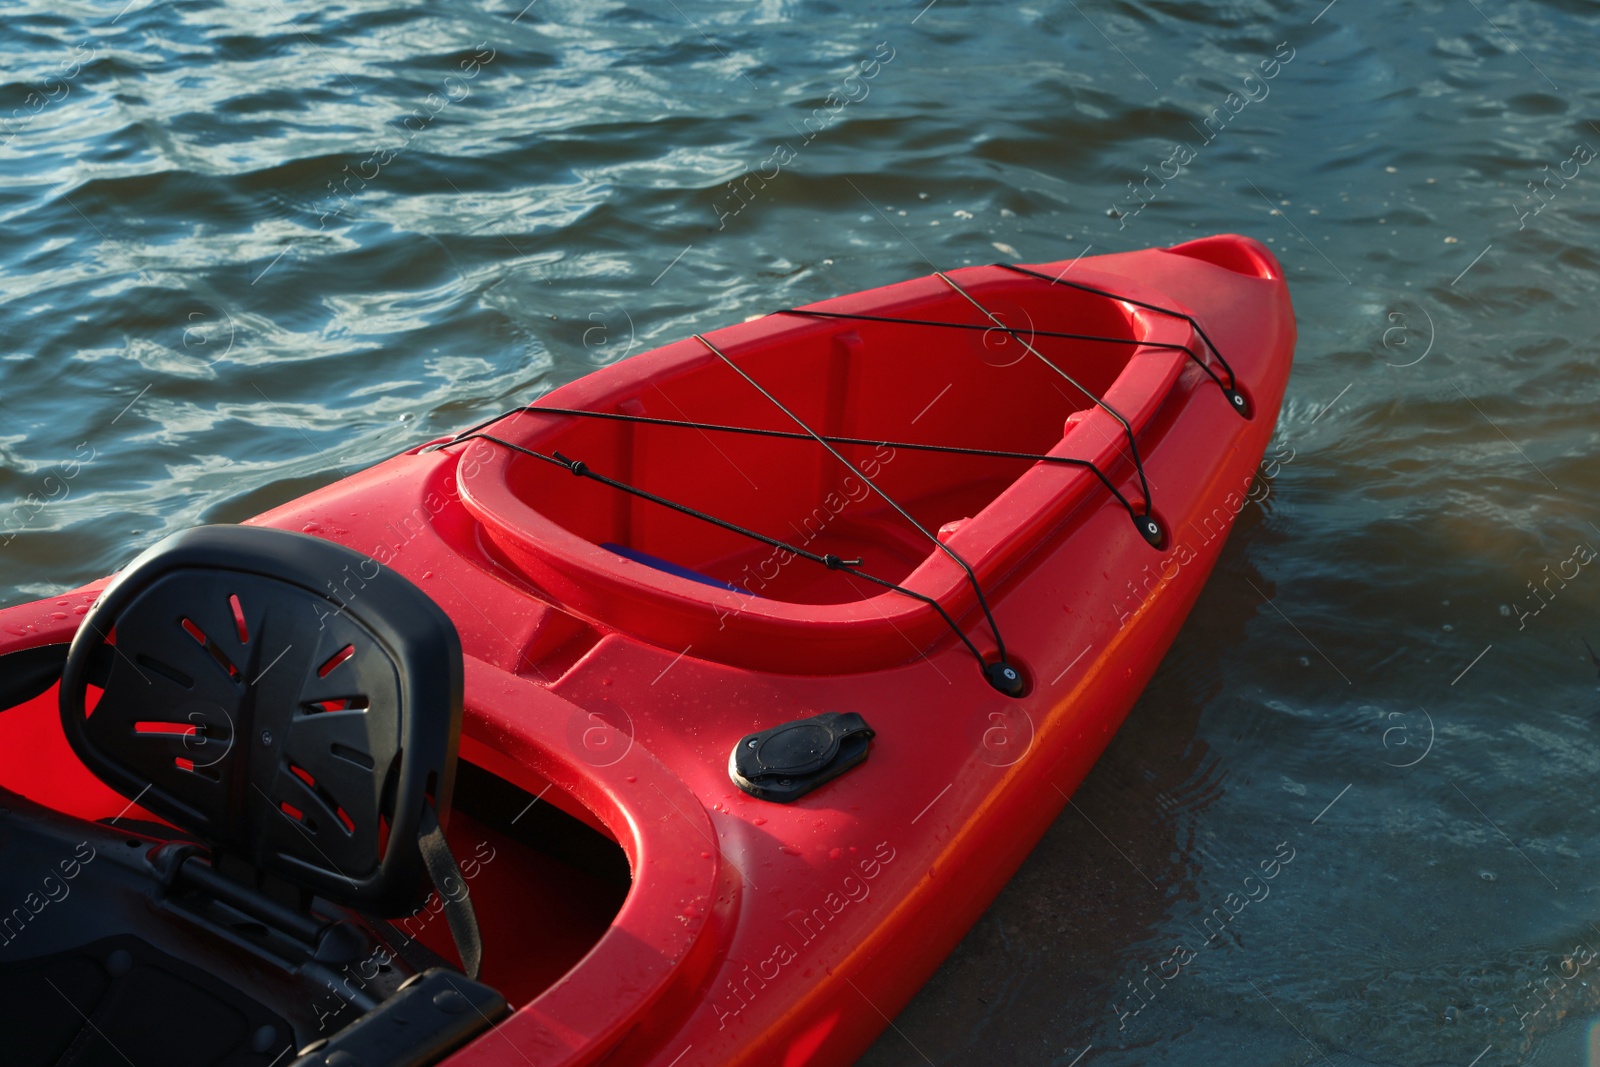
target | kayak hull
[{"x": 761, "y": 933}]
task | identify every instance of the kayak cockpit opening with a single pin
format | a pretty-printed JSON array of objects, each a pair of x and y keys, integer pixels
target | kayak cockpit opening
[{"x": 886, "y": 397}]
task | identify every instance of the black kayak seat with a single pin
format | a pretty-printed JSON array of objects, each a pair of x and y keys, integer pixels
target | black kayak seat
[{"x": 294, "y": 709}]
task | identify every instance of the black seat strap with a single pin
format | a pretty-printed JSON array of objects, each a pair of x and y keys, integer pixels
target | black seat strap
[{"x": 452, "y": 890}]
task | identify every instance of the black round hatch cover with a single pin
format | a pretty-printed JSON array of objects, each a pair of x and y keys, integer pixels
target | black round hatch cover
[{"x": 788, "y": 761}]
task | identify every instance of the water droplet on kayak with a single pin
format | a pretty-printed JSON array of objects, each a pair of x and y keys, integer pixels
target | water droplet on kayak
[
  {"x": 788, "y": 850},
  {"x": 310, "y": 527},
  {"x": 427, "y": 574},
  {"x": 633, "y": 777},
  {"x": 58, "y": 615},
  {"x": 834, "y": 854},
  {"x": 81, "y": 609},
  {"x": 759, "y": 821}
]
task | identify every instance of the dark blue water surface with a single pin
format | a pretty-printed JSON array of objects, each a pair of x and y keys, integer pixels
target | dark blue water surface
[{"x": 251, "y": 246}]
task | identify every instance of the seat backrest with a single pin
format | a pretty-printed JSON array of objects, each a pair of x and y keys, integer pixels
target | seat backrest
[{"x": 290, "y": 702}]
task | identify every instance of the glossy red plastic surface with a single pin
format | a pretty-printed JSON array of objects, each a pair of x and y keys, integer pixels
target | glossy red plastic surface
[{"x": 758, "y": 933}]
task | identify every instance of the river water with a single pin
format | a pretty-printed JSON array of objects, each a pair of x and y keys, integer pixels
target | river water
[{"x": 252, "y": 246}]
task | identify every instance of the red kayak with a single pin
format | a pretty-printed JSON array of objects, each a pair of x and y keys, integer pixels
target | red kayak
[{"x": 689, "y": 715}]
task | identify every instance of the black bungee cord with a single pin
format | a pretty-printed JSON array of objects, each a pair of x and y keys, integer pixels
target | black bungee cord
[
  {"x": 1236, "y": 399},
  {"x": 790, "y": 435},
  {"x": 1148, "y": 525},
  {"x": 1000, "y": 674}
]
